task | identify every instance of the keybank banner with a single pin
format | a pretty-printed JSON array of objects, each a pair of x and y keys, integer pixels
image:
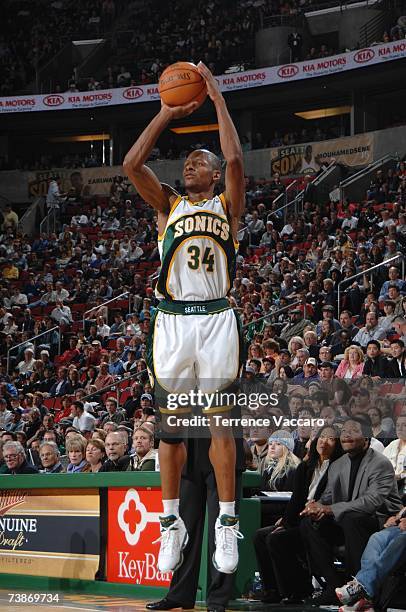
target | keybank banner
[
  {"x": 133, "y": 531},
  {"x": 309, "y": 158},
  {"x": 50, "y": 532},
  {"x": 335, "y": 64}
]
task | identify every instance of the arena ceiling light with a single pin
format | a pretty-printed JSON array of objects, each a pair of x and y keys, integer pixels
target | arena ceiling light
[
  {"x": 80, "y": 138},
  {"x": 321, "y": 113},
  {"x": 192, "y": 129}
]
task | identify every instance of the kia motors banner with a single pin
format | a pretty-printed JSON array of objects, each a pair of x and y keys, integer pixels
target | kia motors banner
[
  {"x": 228, "y": 82},
  {"x": 50, "y": 532},
  {"x": 309, "y": 158},
  {"x": 133, "y": 527}
]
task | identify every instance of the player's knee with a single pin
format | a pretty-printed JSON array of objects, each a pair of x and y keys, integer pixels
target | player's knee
[{"x": 167, "y": 440}]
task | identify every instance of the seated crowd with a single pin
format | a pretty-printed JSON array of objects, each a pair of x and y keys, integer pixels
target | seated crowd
[{"x": 78, "y": 398}]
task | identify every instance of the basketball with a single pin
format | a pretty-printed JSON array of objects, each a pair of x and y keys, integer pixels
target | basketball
[{"x": 181, "y": 83}]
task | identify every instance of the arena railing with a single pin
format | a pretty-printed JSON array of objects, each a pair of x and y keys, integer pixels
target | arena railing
[
  {"x": 48, "y": 331},
  {"x": 277, "y": 313},
  {"x": 360, "y": 174},
  {"x": 118, "y": 297},
  {"x": 369, "y": 272},
  {"x": 282, "y": 198}
]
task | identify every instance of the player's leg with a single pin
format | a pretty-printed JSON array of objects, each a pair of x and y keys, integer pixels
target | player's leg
[
  {"x": 167, "y": 364},
  {"x": 219, "y": 364}
]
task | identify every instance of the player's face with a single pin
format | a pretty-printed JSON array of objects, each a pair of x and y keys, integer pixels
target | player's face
[{"x": 198, "y": 173}]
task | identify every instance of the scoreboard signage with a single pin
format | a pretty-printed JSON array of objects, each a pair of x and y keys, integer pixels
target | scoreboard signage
[{"x": 378, "y": 54}]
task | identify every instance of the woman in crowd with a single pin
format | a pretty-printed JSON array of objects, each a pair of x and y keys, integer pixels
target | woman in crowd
[
  {"x": 396, "y": 450},
  {"x": 294, "y": 345},
  {"x": 352, "y": 366},
  {"x": 73, "y": 377},
  {"x": 278, "y": 548},
  {"x": 95, "y": 454},
  {"x": 377, "y": 430},
  {"x": 104, "y": 378},
  {"x": 76, "y": 449},
  {"x": 280, "y": 463},
  {"x": 327, "y": 332}
]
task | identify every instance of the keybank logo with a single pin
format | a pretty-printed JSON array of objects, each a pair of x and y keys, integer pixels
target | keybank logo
[{"x": 133, "y": 517}]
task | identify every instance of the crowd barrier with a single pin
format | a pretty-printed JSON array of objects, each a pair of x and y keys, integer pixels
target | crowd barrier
[{"x": 94, "y": 533}]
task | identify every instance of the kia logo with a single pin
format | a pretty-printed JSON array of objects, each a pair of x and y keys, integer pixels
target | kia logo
[
  {"x": 364, "y": 55},
  {"x": 53, "y": 100},
  {"x": 286, "y": 72},
  {"x": 132, "y": 93}
]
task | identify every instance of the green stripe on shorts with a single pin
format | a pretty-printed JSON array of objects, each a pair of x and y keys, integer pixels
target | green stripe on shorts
[{"x": 194, "y": 308}]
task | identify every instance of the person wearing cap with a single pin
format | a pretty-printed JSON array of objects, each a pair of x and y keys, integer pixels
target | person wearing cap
[
  {"x": 296, "y": 325},
  {"x": 146, "y": 401},
  {"x": 16, "y": 424},
  {"x": 280, "y": 463},
  {"x": 328, "y": 313},
  {"x": 309, "y": 374}
]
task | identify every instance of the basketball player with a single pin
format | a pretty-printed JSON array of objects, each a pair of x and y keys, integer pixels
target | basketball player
[{"x": 194, "y": 337}]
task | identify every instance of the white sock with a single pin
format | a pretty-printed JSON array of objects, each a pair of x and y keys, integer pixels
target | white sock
[
  {"x": 227, "y": 508},
  {"x": 171, "y": 506}
]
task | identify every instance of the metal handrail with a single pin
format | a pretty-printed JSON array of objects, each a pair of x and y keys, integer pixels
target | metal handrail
[
  {"x": 369, "y": 271},
  {"x": 367, "y": 169},
  {"x": 277, "y": 312},
  {"x": 284, "y": 194},
  {"x": 57, "y": 327},
  {"x": 114, "y": 384},
  {"x": 122, "y": 295}
]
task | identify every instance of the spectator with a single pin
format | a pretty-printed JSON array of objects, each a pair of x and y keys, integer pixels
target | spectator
[
  {"x": 348, "y": 509},
  {"x": 15, "y": 459},
  {"x": 143, "y": 446},
  {"x": 50, "y": 458},
  {"x": 280, "y": 463},
  {"x": 352, "y": 365},
  {"x": 396, "y": 450},
  {"x": 95, "y": 454},
  {"x": 117, "y": 459},
  {"x": 82, "y": 421},
  {"x": 382, "y": 553},
  {"x": 376, "y": 365},
  {"x": 279, "y": 547},
  {"x": 76, "y": 449}
]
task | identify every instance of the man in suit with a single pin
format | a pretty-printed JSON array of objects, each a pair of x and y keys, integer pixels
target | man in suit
[
  {"x": 361, "y": 488},
  {"x": 397, "y": 365},
  {"x": 198, "y": 486}
]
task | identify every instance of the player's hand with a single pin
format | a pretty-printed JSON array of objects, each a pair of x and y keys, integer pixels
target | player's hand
[
  {"x": 177, "y": 112},
  {"x": 213, "y": 89}
]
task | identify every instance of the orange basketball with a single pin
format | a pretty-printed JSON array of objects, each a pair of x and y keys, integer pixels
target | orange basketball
[{"x": 180, "y": 84}]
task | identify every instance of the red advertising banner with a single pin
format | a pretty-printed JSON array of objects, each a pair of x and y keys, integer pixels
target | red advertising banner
[{"x": 133, "y": 526}]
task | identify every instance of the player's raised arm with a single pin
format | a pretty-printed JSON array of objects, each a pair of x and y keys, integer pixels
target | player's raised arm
[
  {"x": 230, "y": 146},
  {"x": 143, "y": 178}
]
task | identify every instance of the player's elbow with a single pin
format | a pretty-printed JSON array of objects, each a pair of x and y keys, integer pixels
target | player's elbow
[
  {"x": 236, "y": 160},
  {"x": 131, "y": 164}
]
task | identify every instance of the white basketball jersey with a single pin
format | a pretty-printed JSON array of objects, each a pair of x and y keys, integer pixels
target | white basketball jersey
[{"x": 197, "y": 251}]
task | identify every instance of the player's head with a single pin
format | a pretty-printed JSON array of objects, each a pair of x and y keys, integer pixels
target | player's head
[{"x": 201, "y": 170}]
